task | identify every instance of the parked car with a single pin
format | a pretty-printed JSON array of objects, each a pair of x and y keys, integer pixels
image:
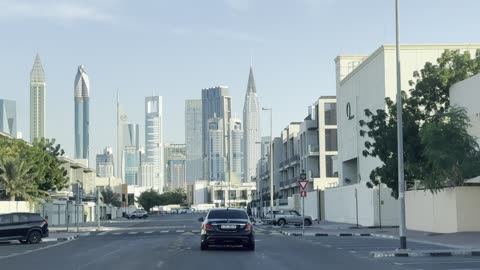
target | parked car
[
  {"x": 229, "y": 226},
  {"x": 24, "y": 227},
  {"x": 137, "y": 214},
  {"x": 283, "y": 217}
]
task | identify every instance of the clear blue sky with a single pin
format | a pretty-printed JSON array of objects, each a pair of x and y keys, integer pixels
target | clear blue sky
[{"x": 176, "y": 48}]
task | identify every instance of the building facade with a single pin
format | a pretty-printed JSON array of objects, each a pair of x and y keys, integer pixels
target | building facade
[
  {"x": 193, "y": 140},
  {"x": 8, "y": 117},
  {"x": 216, "y": 160},
  {"x": 105, "y": 163},
  {"x": 175, "y": 166},
  {"x": 236, "y": 158},
  {"x": 82, "y": 114},
  {"x": 216, "y": 103},
  {"x": 251, "y": 128},
  {"x": 131, "y": 165},
  {"x": 154, "y": 148},
  {"x": 37, "y": 101}
]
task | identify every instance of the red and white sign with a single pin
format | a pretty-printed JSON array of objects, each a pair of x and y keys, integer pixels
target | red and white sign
[
  {"x": 303, "y": 184},
  {"x": 303, "y": 193}
]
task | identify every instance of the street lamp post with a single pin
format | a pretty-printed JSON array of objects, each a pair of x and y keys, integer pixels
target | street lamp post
[
  {"x": 271, "y": 160},
  {"x": 77, "y": 204},
  {"x": 401, "y": 183}
]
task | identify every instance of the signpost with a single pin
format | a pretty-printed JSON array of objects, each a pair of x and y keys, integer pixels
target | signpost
[{"x": 303, "y": 193}]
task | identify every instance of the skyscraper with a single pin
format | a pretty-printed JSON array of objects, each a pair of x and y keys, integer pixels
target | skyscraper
[
  {"x": 251, "y": 127},
  {"x": 236, "y": 154},
  {"x": 82, "y": 114},
  {"x": 216, "y": 103},
  {"x": 216, "y": 158},
  {"x": 104, "y": 163},
  {"x": 128, "y": 135},
  {"x": 154, "y": 139},
  {"x": 37, "y": 100},
  {"x": 8, "y": 117},
  {"x": 174, "y": 155},
  {"x": 131, "y": 165},
  {"x": 193, "y": 140}
]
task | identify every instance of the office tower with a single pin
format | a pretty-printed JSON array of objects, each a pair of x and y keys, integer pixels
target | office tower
[
  {"x": 193, "y": 140},
  {"x": 176, "y": 174},
  {"x": 82, "y": 114},
  {"x": 174, "y": 152},
  {"x": 104, "y": 163},
  {"x": 216, "y": 103},
  {"x": 251, "y": 127},
  {"x": 8, "y": 117},
  {"x": 37, "y": 100},
  {"x": 154, "y": 139},
  {"x": 236, "y": 154},
  {"x": 216, "y": 158},
  {"x": 131, "y": 165},
  {"x": 128, "y": 134}
]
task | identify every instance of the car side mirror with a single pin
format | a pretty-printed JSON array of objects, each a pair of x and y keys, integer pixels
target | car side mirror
[
  {"x": 252, "y": 219},
  {"x": 201, "y": 219}
]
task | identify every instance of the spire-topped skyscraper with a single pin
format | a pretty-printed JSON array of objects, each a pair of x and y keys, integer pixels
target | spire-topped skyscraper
[
  {"x": 37, "y": 100},
  {"x": 82, "y": 114},
  {"x": 251, "y": 128}
]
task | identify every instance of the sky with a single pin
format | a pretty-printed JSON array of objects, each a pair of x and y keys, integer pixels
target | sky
[{"x": 176, "y": 48}]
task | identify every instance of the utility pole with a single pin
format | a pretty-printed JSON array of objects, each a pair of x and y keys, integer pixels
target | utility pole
[{"x": 271, "y": 160}]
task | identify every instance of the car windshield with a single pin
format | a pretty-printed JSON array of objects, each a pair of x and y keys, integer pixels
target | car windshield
[{"x": 227, "y": 214}]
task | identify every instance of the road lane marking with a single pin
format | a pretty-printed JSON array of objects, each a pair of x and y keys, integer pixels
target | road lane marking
[
  {"x": 163, "y": 231},
  {"x": 132, "y": 232},
  {"x": 149, "y": 232},
  {"x": 103, "y": 233},
  {"x": 436, "y": 262},
  {"x": 180, "y": 231},
  {"x": 187, "y": 233},
  {"x": 117, "y": 233},
  {"x": 195, "y": 231},
  {"x": 159, "y": 264}
]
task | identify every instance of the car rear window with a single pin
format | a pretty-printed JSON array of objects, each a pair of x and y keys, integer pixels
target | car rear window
[
  {"x": 5, "y": 219},
  {"x": 34, "y": 217},
  {"x": 230, "y": 214}
]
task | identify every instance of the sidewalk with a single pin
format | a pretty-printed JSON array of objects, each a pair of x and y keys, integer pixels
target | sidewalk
[
  {"x": 105, "y": 225},
  {"x": 464, "y": 240}
]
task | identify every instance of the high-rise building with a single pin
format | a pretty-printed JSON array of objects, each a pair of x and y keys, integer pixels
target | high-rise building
[
  {"x": 128, "y": 134},
  {"x": 82, "y": 114},
  {"x": 251, "y": 128},
  {"x": 8, "y": 117},
  {"x": 216, "y": 158},
  {"x": 216, "y": 103},
  {"x": 154, "y": 139},
  {"x": 104, "y": 163},
  {"x": 236, "y": 154},
  {"x": 37, "y": 100},
  {"x": 193, "y": 140},
  {"x": 174, "y": 152},
  {"x": 176, "y": 174},
  {"x": 131, "y": 165}
]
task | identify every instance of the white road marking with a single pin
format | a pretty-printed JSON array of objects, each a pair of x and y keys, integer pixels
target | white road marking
[
  {"x": 149, "y": 232},
  {"x": 117, "y": 233},
  {"x": 195, "y": 231},
  {"x": 33, "y": 250},
  {"x": 164, "y": 231},
  {"x": 132, "y": 232},
  {"x": 180, "y": 231},
  {"x": 159, "y": 264},
  {"x": 436, "y": 262},
  {"x": 103, "y": 233}
]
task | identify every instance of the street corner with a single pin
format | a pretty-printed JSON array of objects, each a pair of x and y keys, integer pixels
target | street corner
[{"x": 425, "y": 253}]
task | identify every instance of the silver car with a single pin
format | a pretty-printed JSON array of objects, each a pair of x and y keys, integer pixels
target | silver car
[
  {"x": 283, "y": 217},
  {"x": 137, "y": 214}
]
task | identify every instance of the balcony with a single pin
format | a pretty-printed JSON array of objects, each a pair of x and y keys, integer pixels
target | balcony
[
  {"x": 293, "y": 160},
  {"x": 313, "y": 150},
  {"x": 311, "y": 124}
]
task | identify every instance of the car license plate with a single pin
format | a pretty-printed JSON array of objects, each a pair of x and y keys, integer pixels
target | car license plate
[{"x": 228, "y": 227}]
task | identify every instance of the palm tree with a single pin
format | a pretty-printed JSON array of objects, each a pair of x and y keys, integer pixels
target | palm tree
[
  {"x": 109, "y": 197},
  {"x": 16, "y": 178}
]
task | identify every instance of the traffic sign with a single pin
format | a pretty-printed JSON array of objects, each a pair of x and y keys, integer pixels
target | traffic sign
[
  {"x": 303, "y": 193},
  {"x": 303, "y": 184}
]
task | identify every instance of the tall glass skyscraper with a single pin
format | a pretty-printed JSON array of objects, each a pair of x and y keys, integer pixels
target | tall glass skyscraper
[
  {"x": 193, "y": 140},
  {"x": 131, "y": 165},
  {"x": 236, "y": 157},
  {"x": 82, "y": 114},
  {"x": 216, "y": 103},
  {"x": 37, "y": 100},
  {"x": 251, "y": 126},
  {"x": 8, "y": 117},
  {"x": 154, "y": 140},
  {"x": 216, "y": 158},
  {"x": 174, "y": 152}
]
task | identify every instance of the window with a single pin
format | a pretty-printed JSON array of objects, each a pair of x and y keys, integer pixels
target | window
[
  {"x": 331, "y": 140},
  {"x": 329, "y": 166},
  {"x": 34, "y": 217},
  {"x": 5, "y": 219},
  {"x": 227, "y": 214},
  {"x": 330, "y": 113}
]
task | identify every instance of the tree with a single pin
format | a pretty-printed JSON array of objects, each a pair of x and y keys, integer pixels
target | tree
[
  {"x": 174, "y": 197},
  {"x": 148, "y": 199},
  {"x": 425, "y": 112},
  {"x": 111, "y": 198},
  {"x": 15, "y": 178}
]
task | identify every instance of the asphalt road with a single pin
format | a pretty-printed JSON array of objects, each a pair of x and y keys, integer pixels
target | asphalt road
[{"x": 143, "y": 246}]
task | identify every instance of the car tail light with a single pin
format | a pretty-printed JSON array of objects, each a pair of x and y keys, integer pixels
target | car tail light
[
  {"x": 249, "y": 227},
  {"x": 208, "y": 227},
  {"x": 45, "y": 222}
]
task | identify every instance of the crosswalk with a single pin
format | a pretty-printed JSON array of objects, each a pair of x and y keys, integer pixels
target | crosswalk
[{"x": 165, "y": 232}]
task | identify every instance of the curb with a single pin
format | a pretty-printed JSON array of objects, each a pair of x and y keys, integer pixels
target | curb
[
  {"x": 59, "y": 239},
  {"x": 325, "y": 234},
  {"x": 425, "y": 253}
]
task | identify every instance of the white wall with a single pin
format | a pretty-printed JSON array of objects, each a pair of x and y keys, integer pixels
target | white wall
[
  {"x": 448, "y": 211},
  {"x": 8, "y": 207},
  {"x": 341, "y": 204}
]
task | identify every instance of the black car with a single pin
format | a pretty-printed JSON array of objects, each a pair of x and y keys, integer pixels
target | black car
[
  {"x": 24, "y": 227},
  {"x": 228, "y": 226}
]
